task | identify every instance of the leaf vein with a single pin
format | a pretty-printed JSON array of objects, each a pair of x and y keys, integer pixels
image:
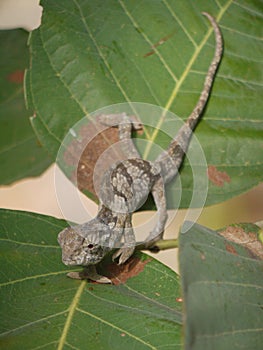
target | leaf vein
[
  {"x": 31, "y": 323},
  {"x": 32, "y": 278},
  {"x": 189, "y": 36},
  {"x": 72, "y": 309},
  {"x": 28, "y": 243},
  {"x": 232, "y": 30},
  {"x": 39, "y": 114},
  {"x": 247, "y": 8},
  {"x": 228, "y": 283},
  {"x": 101, "y": 54},
  {"x": 230, "y": 332},
  {"x": 14, "y": 145},
  {"x": 135, "y": 24},
  {"x": 121, "y": 330},
  {"x": 180, "y": 81}
]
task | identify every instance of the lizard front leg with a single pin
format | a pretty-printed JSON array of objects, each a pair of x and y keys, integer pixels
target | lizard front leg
[
  {"x": 125, "y": 125},
  {"x": 128, "y": 245}
]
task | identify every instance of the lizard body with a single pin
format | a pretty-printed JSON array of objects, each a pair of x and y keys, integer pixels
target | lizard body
[{"x": 127, "y": 184}]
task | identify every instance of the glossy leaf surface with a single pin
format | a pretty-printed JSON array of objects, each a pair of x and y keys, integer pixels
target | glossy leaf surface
[
  {"x": 42, "y": 307},
  {"x": 223, "y": 287},
  {"x": 87, "y": 55}
]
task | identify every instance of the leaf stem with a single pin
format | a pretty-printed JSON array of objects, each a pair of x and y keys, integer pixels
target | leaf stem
[{"x": 162, "y": 244}]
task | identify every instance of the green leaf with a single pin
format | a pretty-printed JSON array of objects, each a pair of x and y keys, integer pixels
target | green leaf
[
  {"x": 42, "y": 308},
  {"x": 90, "y": 54},
  {"x": 222, "y": 291},
  {"x": 20, "y": 152}
]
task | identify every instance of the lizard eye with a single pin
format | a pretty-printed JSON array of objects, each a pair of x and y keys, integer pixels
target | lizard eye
[{"x": 89, "y": 247}]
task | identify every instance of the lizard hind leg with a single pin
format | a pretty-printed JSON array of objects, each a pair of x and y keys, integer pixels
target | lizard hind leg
[{"x": 158, "y": 192}]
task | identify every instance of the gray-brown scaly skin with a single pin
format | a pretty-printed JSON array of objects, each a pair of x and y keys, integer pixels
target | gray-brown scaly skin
[{"x": 127, "y": 184}]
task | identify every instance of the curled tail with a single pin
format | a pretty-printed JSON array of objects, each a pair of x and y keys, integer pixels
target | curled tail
[{"x": 170, "y": 160}]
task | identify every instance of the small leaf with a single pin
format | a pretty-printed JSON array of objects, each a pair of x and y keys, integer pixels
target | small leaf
[
  {"x": 42, "y": 308},
  {"x": 222, "y": 290},
  {"x": 20, "y": 153},
  {"x": 87, "y": 55}
]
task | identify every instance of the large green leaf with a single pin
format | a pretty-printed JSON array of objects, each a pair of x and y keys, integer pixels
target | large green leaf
[
  {"x": 90, "y": 54},
  {"x": 222, "y": 290},
  {"x": 20, "y": 153},
  {"x": 42, "y": 308}
]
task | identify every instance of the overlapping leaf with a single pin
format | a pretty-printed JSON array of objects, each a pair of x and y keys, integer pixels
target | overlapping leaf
[
  {"x": 223, "y": 288},
  {"x": 87, "y": 55},
  {"x": 42, "y": 307}
]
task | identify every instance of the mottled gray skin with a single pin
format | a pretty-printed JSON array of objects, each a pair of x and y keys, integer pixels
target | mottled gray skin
[{"x": 127, "y": 184}]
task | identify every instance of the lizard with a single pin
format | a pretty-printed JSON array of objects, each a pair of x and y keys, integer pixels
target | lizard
[{"x": 127, "y": 184}]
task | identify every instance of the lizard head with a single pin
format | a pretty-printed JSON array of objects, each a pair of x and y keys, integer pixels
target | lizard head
[{"x": 84, "y": 244}]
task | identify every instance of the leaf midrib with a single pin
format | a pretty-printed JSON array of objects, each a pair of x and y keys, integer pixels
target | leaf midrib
[
  {"x": 71, "y": 311},
  {"x": 181, "y": 80}
]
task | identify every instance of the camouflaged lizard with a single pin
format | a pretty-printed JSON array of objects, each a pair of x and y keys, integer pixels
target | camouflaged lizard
[{"x": 127, "y": 184}]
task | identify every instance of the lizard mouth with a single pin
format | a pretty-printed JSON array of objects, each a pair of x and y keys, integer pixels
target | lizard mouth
[{"x": 69, "y": 262}]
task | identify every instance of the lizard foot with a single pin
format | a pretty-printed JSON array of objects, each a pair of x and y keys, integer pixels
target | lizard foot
[
  {"x": 90, "y": 273},
  {"x": 152, "y": 239},
  {"x": 115, "y": 120},
  {"x": 123, "y": 254}
]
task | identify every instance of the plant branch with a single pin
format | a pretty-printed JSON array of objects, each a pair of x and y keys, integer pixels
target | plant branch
[{"x": 162, "y": 244}]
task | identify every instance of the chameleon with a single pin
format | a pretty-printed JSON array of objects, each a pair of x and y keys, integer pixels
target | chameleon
[{"x": 127, "y": 183}]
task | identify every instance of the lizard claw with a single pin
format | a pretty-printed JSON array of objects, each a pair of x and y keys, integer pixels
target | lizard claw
[{"x": 123, "y": 254}]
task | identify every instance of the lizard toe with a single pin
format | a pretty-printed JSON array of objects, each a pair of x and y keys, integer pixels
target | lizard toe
[{"x": 123, "y": 254}]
